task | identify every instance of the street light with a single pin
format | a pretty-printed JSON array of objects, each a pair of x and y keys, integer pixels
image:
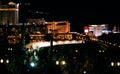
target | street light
[
  {"x": 63, "y": 62},
  {"x": 33, "y": 64}
]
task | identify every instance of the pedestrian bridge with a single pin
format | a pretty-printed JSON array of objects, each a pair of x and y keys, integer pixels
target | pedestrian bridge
[{"x": 35, "y": 45}]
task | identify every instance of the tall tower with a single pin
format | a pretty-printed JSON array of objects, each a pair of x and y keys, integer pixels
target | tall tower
[{"x": 9, "y": 14}]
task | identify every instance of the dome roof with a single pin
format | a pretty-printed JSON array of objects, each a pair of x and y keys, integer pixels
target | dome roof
[{"x": 11, "y": 3}]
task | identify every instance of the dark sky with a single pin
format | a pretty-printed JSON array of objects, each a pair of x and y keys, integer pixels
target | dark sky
[{"x": 78, "y": 13}]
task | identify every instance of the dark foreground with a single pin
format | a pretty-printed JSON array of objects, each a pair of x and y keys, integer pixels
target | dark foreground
[{"x": 87, "y": 58}]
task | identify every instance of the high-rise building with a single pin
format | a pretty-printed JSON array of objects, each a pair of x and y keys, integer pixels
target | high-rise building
[{"x": 9, "y": 14}]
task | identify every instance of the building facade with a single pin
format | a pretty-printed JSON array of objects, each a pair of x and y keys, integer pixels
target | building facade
[
  {"x": 58, "y": 26},
  {"x": 98, "y": 29},
  {"x": 9, "y": 14}
]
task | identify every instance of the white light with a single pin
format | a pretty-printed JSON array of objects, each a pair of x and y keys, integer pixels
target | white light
[
  {"x": 85, "y": 30},
  {"x": 11, "y": 49},
  {"x": 112, "y": 63},
  {"x": 118, "y": 63},
  {"x": 7, "y": 61},
  {"x": 110, "y": 43},
  {"x": 114, "y": 44},
  {"x": 1, "y": 60},
  {"x": 93, "y": 25},
  {"x": 63, "y": 62},
  {"x": 76, "y": 50},
  {"x": 47, "y": 43},
  {"x": 32, "y": 64},
  {"x": 57, "y": 62},
  {"x": 84, "y": 72},
  {"x": 100, "y": 51},
  {"x": 29, "y": 50},
  {"x": 102, "y": 24},
  {"x": 103, "y": 51}
]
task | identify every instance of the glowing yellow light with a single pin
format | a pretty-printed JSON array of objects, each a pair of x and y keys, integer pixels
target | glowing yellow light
[
  {"x": 63, "y": 62},
  {"x": 7, "y": 61},
  {"x": 118, "y": 63}
]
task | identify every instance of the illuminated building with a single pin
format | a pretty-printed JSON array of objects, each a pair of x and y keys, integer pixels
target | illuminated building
[
  {"x": 59, "y": 27},
  {"x": 86, "y": 28},
  {"x": 115, "y": 29},
  {"x": 9, "y": 14},
  {"x": 97, "y": 29}
]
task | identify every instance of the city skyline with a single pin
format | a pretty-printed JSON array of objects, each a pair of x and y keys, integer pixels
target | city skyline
[
  {"x": 78, "y": 16},
  {"x": 48, "y": 39}
]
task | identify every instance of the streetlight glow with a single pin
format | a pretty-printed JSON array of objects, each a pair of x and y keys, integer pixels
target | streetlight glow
[
  {"x": 7, "y": 61},
  {"x": 57, "y": 62},
  {"x": 32, "y": 64},
  {"x": 1, "y": 60},
  {"x": 118, "y": 63},
  {"x": 112, "y": 63},
  {"x": 63, "y": 62}
]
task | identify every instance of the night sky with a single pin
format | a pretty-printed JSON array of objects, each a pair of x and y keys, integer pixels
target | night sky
[{"x": 77, "y": 13}]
